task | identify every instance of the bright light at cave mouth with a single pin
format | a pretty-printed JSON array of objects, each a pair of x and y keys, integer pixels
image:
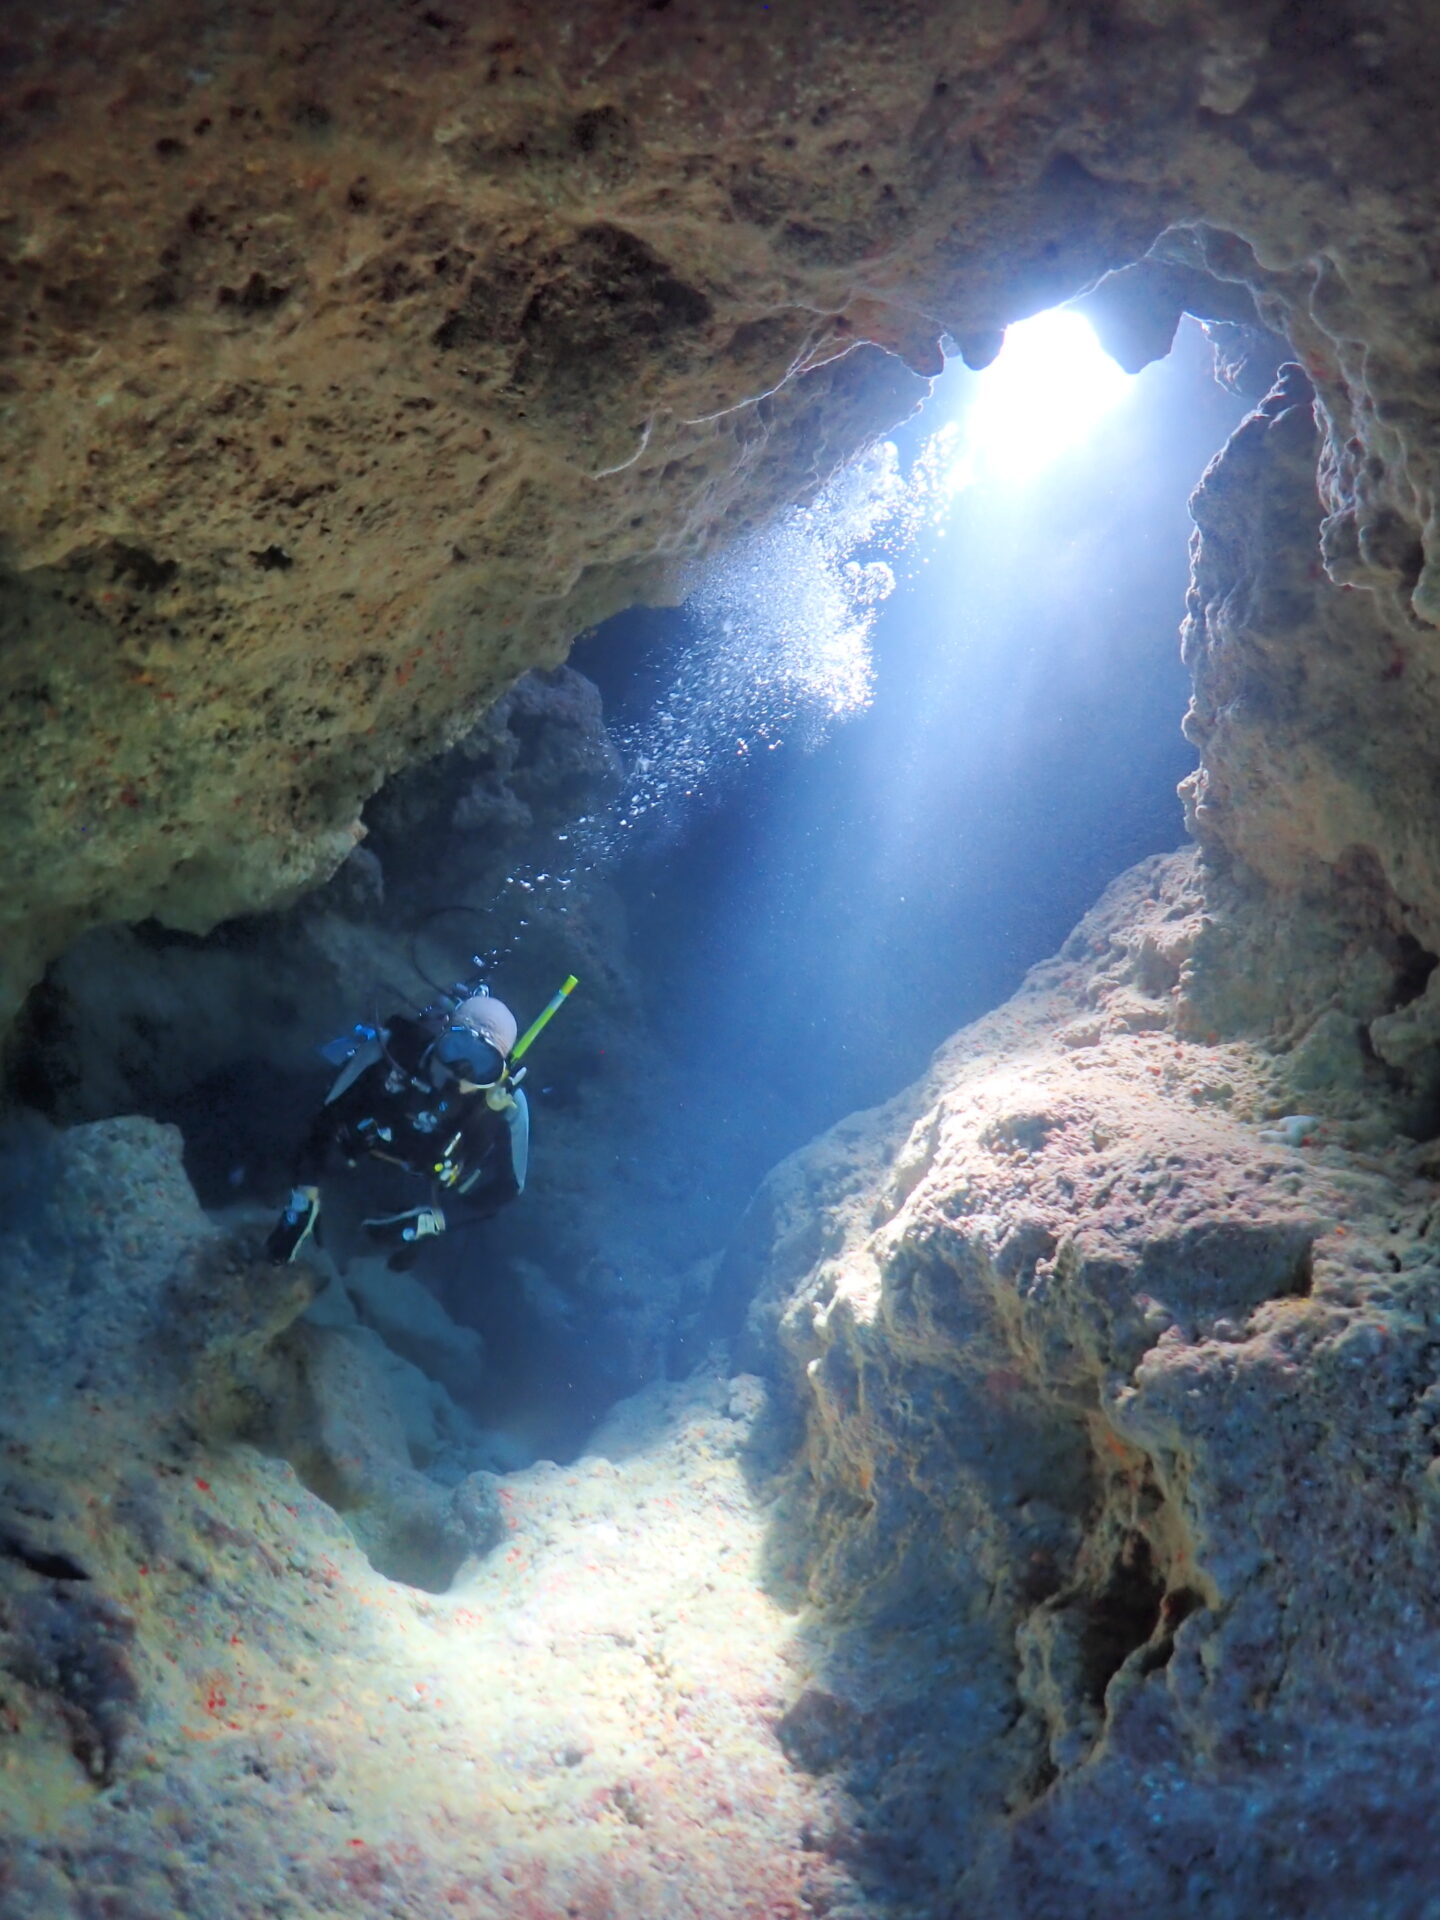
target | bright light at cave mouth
[
  {"x": 781, "y": 622},
  {"x": 1045, "y": 393}
]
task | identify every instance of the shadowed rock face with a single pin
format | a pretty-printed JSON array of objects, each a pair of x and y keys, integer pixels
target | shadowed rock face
[{"x": 352, "y": 365}]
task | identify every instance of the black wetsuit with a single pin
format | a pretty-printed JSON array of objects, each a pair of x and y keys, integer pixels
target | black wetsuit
[{"x": 391, "y": 1110}]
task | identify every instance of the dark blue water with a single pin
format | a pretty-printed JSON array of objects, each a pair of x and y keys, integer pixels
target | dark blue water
[{"x": 814, "y": 926}]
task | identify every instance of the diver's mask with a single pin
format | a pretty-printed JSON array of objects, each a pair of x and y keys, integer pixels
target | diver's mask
[{"x": 470, "y": 1058}]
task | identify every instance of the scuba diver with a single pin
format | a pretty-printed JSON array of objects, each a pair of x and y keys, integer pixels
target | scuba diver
[{"x": 433, "y": 1097}]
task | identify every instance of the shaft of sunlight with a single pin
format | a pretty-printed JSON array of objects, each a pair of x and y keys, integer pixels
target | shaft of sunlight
[{"x": 1046, "y": 392}]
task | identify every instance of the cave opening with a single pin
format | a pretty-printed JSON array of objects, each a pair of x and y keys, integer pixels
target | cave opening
[
  {"x": 812, "y": 927},
  {"x": 843, "y": 824},
  {"x": 791, "y": 834}
]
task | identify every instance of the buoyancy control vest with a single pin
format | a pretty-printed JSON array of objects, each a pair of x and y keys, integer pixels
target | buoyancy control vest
[{"x": 390, "y": 1101}]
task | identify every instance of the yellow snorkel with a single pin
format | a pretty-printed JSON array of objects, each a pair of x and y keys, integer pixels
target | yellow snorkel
[
  {"x": 552, "y": 1007},
  {"x": 498, "y": 1097}
]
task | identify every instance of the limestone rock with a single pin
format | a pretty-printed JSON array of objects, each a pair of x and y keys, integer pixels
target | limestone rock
[
  {"x": 438, "y": 1433},
  {"x": 121, "y": 1296},
  {"x": 110, "y": 1272},
  {"x": 1121, "y": 1403},
  {"x": 1085, "y": 1477},
  {"x": 351, "y": 366},
  {"x": 355, "y": 366},
  {"x": 413, "y": 1324},
  {"x": 145, "y": 1020},
  {"x": 344, "y": 1432},
  {"x": 1311, "y": 711}
]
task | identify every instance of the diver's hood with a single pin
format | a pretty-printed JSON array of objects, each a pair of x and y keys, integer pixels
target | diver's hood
[{"x": 490, "y": 1018}]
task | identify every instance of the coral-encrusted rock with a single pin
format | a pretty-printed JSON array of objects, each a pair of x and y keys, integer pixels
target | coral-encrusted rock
[
  {"x": 353, "y": 364},
  {"x": 1116, "y": 1485}
]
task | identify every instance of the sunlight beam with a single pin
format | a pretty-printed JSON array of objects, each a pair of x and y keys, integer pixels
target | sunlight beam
[{"x": 1045, "y": 393}]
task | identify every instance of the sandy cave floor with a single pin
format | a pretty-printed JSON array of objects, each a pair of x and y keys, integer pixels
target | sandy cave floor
[{"x": 584, "y": 1725}]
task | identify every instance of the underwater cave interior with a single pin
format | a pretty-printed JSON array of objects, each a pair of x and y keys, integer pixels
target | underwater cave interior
[
  {"x": 818, "y": 922},
  {"x": 951, "y": 1424},
  {"x": 792, "y": 835}
]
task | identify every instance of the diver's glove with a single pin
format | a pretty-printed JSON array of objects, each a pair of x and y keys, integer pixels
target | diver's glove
[
  {"x": 404, "y": 1229},
  {"x": 294, "y": 1226}
]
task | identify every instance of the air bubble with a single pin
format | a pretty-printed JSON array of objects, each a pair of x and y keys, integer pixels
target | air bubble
[{"x": 778, "y": 649}]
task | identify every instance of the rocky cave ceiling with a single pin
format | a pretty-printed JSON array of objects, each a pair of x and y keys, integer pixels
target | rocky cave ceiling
[{"x": 351, "y": 363}]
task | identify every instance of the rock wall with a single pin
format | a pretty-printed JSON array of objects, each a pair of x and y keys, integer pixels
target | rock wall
[
  {"x": 220, "y": 1035},
  {"x": 351, "y": 366},
  {"x": 1112, "y": 1356},
  {"x": 150, "y": 1020},
  {"x": 1312, "y": 702}
]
